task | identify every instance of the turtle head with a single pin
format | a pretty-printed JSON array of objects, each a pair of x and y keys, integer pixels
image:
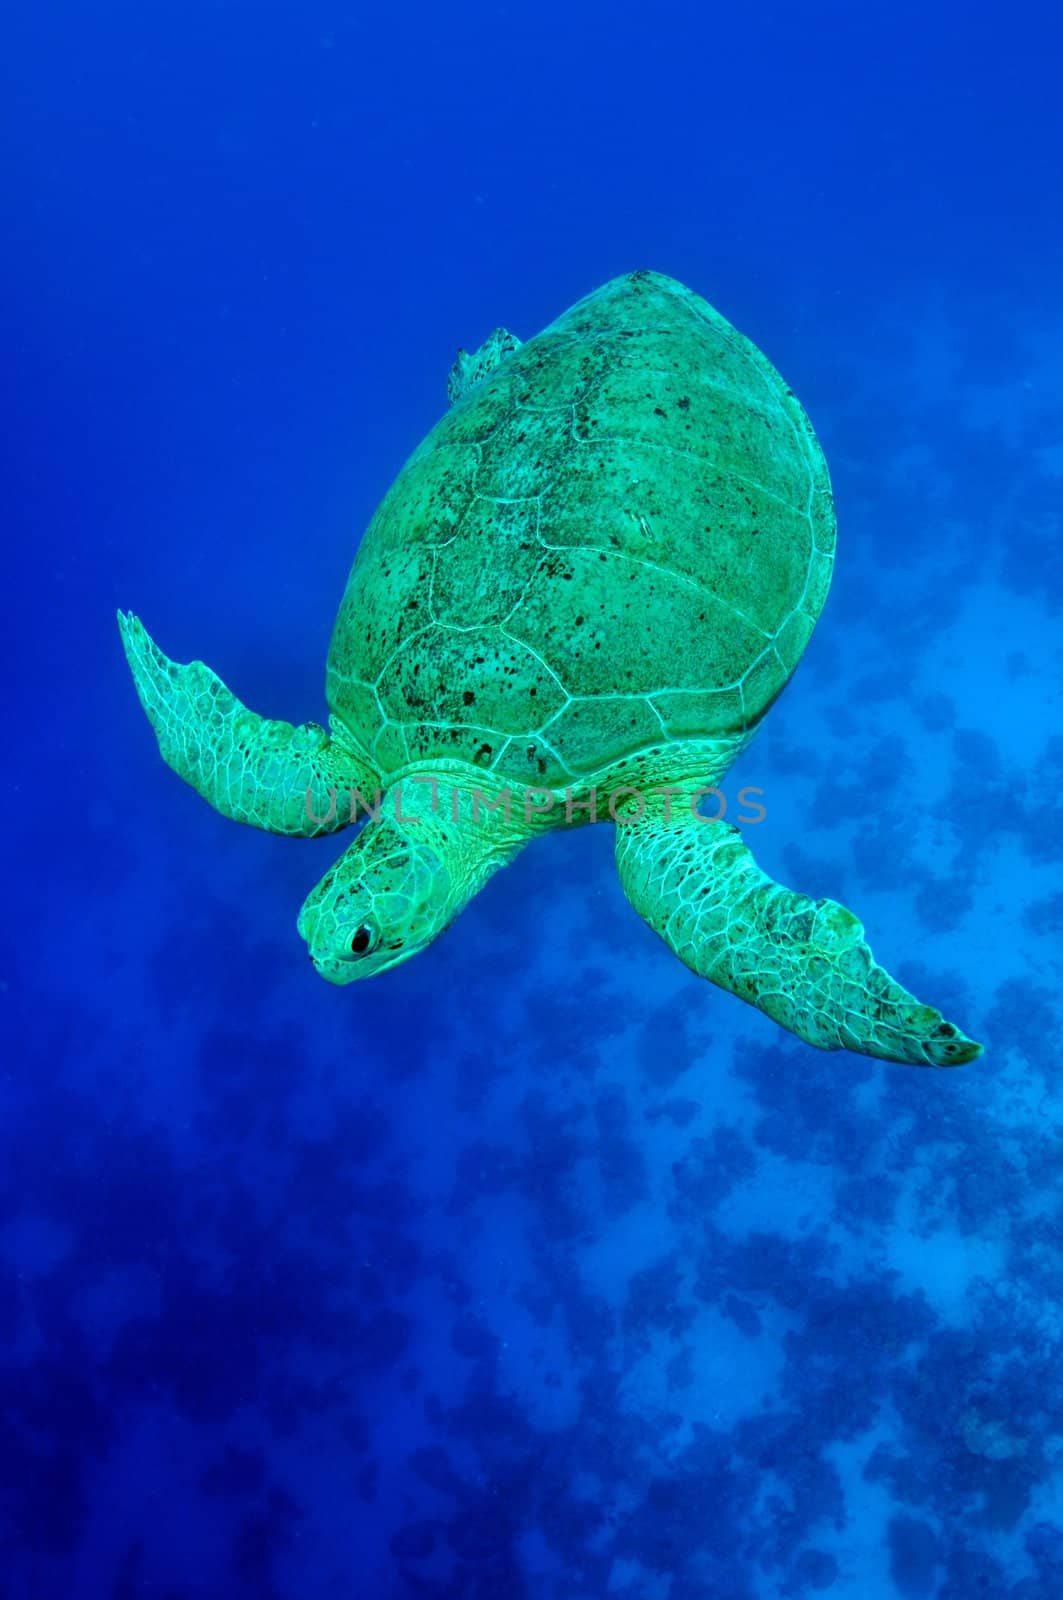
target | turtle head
[{"x": 387, "y": 897}]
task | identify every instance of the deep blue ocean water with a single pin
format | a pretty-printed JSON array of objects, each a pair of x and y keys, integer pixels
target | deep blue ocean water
[{"x": 537, "y": 1267}]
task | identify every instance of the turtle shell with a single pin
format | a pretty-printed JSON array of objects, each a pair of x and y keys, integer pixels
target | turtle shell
[{"x": 621, "y": 536}]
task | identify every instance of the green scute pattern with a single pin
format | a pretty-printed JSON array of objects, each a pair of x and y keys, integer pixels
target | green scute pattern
[{"x": 621, "y": 535}]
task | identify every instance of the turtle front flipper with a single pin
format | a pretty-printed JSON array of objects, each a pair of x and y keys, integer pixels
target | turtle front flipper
[
  {"x": 803, "y": 962},
  {"x": 285, "y": 779}
]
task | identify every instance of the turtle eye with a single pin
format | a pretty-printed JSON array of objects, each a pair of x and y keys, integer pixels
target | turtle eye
[{"x": 362, "y": 942}]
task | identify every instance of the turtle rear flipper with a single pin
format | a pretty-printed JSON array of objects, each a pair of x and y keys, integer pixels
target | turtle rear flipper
[
  {"x": 269, "y": 774},
  {"x": 469, "y": 370},
  {"x": 803, "y": 962}
]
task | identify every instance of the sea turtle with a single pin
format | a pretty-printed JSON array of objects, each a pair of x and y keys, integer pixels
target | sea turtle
[{"x": 577, "y": 601}]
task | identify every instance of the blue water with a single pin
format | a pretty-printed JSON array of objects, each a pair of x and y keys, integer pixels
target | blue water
[{"x": 537, "y": 1267}]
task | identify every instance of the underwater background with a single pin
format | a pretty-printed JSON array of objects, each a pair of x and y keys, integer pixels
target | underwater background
[{"x": 536, "y": 1267}]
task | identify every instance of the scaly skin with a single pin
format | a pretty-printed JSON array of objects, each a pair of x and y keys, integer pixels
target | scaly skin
[
  {"x": 248, "y": 767},
  {"x": 803, "y": 962},
  {"x": 405, "y": 878}
]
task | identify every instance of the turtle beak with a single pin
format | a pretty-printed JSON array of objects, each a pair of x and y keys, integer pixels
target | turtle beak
[
  {"x": 319, "y": 932},
  {"x": 337, "y": 972},
  {"x": 307, "y": 925},
  {"x": 334, "y": 969}
]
